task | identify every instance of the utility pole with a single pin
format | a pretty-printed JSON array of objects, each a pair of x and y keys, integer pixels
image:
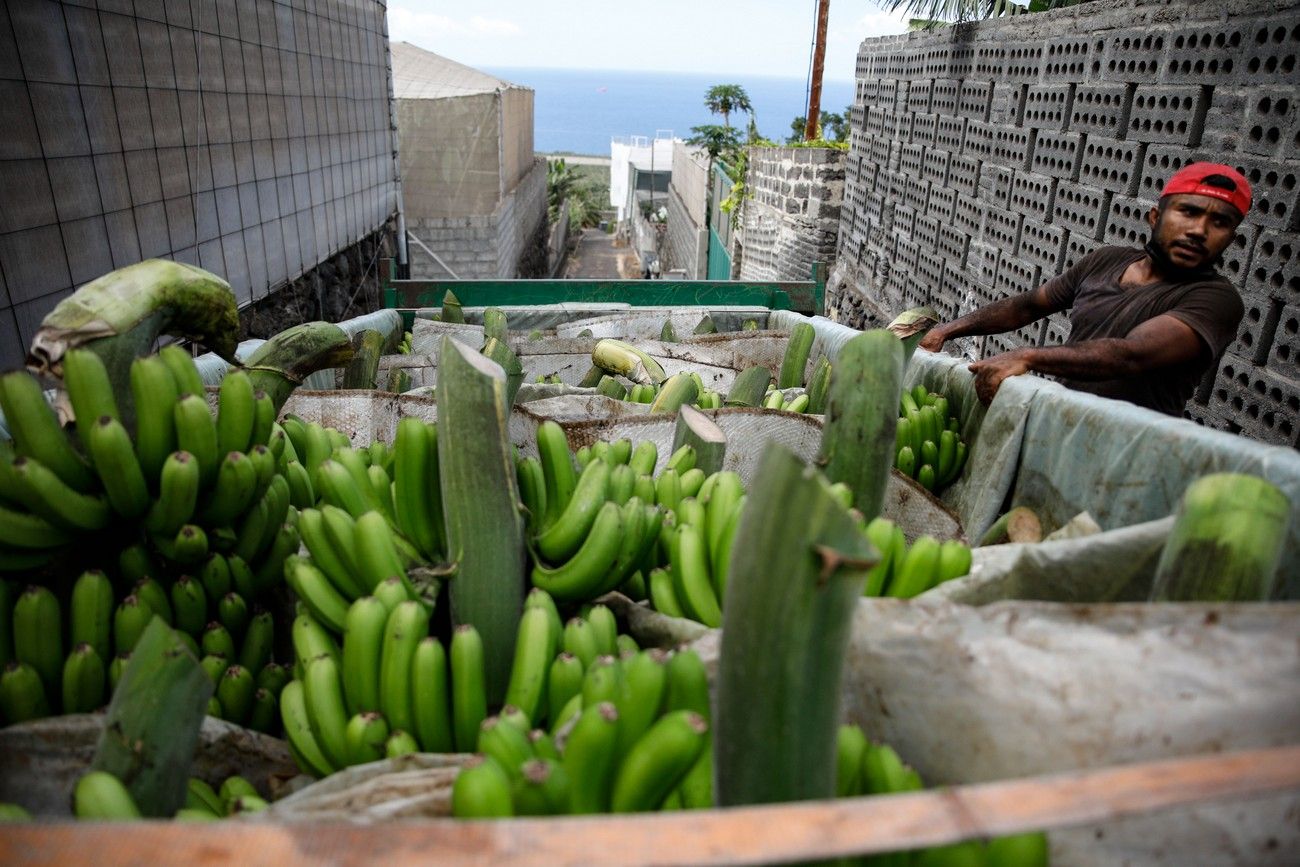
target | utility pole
[{"x": 819, "y": 61}]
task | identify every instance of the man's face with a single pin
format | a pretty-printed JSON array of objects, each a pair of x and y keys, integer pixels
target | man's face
[{"x": 1193, "y": 230}]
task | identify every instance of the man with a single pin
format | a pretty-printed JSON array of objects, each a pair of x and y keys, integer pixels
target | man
[{"x": 1145, "y": 324}]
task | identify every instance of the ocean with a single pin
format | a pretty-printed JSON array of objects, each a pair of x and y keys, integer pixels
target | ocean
[{"x": 580, "y": 110}]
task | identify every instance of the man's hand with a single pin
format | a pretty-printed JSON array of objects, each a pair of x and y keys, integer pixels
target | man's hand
[
  {"x": 990, "y": 372},
  {"x": 934, "y": 339}
]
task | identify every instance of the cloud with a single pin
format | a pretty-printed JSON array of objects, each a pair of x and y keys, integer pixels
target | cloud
[{"x": 494, "y": 26}]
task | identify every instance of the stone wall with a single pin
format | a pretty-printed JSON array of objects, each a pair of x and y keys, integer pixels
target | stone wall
[
  {"x": 250, "y": 137},
  {"x": 792, "y": 215},
  {"x": 988, "y": 157},
  {"x": 507, "y": 243}
]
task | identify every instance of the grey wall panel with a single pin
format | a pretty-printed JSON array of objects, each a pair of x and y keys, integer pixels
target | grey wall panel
[{"x": 216, "y": 133}]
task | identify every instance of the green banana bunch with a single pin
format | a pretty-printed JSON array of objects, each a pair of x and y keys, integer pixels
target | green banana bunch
[
  {"x": 927, "y": 441},
  {"x": 906, "y": 571}
]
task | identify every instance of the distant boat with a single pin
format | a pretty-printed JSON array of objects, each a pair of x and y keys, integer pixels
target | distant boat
[{"x": 602, "y": 90}]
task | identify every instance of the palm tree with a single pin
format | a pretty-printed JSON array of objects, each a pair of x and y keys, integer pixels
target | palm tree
[
  {"x": 928, "y": 14},
  {"x": 723, "y": 99}
]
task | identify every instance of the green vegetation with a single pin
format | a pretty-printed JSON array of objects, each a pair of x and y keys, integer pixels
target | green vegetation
[
  {"x": 929, "y": 14},
  {"x": 723, "y": 99},
  {"x": 584, "y": 188}
]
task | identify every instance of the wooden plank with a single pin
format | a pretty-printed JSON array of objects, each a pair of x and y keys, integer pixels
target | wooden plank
[{"x": 749, "y": 835}]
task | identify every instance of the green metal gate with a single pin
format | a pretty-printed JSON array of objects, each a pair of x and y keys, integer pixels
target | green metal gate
[{"x": 719, "y": 258}]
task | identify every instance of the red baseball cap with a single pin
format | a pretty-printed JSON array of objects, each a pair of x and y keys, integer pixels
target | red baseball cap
[{"x": 1234, "y": 189}]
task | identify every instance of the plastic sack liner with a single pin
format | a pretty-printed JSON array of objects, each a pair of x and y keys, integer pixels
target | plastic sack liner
[
  {"x": 41, "y": 760},
  {"x": 716, "y": 358},
  {"x": 646, "y": 322},
  {"x": 417, "y": 785},
  {"x": 1062, "y": 452},
  {"x": 1017, "y": 689}
]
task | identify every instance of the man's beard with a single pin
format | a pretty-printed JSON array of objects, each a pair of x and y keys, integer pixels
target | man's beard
[{"x": 1159, "y": 254}]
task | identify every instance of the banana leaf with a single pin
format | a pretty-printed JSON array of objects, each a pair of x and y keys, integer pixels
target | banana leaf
[{"x": 152, "y": 724}]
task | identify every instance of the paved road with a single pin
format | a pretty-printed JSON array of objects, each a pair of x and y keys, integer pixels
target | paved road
[{"x": 596, "y": 257}]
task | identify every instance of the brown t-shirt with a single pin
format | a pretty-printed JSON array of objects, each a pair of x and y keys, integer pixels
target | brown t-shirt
[{"x": 1101, "y": 308}]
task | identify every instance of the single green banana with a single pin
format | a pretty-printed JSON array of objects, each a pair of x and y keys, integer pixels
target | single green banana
[
  {"x": 22, "y": 695},
  {"x": 38, "y": 636},
  {"x": 233, "y": 613},
  {"x": 430, "y": 697},
  {"x": 301, "y": 494},
  {"x": 306, "y": 750},
  {"x": 563, "y": 682},
  {"x": 659, "y": 761},
  {"x": 178, "y": 493},
  {"x": 315, "y": 591},
  {"x": 273, "y": 677},
  {"x": 235, "y": 692},
  {"x": 90, "y": 392},
  {"x": 181, "y": 366},
  {"x": 258, "y": 642},
  {"x": 557, "y": 470},
  {"x": 27, "y": 532},
  {"x": 311, "y": 640},
  {"x": 573, "y": 523},
  {"x": 36, "y": 432},
  {"x": 579, "y": 640},
  {"x": 851, "y": 745},
  {"x": 236, "y": 413},
  {"x": 366, "y": 734},
  {"x": 154, "y": 393},
  {"x": 505, "y": 743},
  {"x": 117, "y": 466},
  {"x": 236, "y": 484},
  {"x": 263, "y": 419},
  {"x": 468, "y": 686},
  {"x": 590, "y": 758},
  {"x": 217, "y": 641},
  {"x": 535, "y": 646},
  {"x": 152, "y": 594},
  {"x": 101, "y": 796},
  {"x": 605, "y": 629},
  {"x": 400, "y": 743},
  {"x": 41, "y": 490},
  {"x": 326, "y": 712},
  {"x": 201, "y": 796},
  {"x": 663, "y": 596},
  {"x": 363, "y": 642},
  {"x": 189, "y": 605},
  {"x": 407, "y": 625},
  {"x": 90, "y": 618},
  {"x": 196, "y": 433},
  {"x": 481, "y": 791},
  {"x": 693, "y": 586},
  {"x": 415, "y": 482},
  {"x": 375, "y": 551},
  {"x": 603, "y": 681},
  {"x": 640, "y": 696},
  {"x": 264, "y": 714},
  {"x": 687, "y": 686},
  {"x": 542, "y": 788}
]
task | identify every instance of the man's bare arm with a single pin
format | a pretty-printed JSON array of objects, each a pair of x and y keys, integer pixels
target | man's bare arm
[
  {"x": 999, "y": 317},
  {"x": 1156, "y": 343}
]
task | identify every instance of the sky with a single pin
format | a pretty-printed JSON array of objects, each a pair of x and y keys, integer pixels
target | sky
[{"x": 758, "y": 37}]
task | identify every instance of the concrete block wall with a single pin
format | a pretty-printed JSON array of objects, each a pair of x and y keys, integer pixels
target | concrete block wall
[
  {"x": 791, "y": 217},
  {"x": 1031, "y": 142},
  {"x": 498, "y": 245},
  {"x": 686, "y": 246},
  {"x": 250, "y": 137}
]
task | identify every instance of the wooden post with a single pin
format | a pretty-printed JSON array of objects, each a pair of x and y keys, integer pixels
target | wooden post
[{"x": 819, "y": 62}]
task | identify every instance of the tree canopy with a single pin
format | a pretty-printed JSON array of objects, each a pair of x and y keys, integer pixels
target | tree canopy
[{"x": 724, "y": 99}]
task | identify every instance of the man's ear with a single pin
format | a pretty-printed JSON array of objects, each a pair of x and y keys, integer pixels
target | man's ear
[{"x": 1153, "y": 217}]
